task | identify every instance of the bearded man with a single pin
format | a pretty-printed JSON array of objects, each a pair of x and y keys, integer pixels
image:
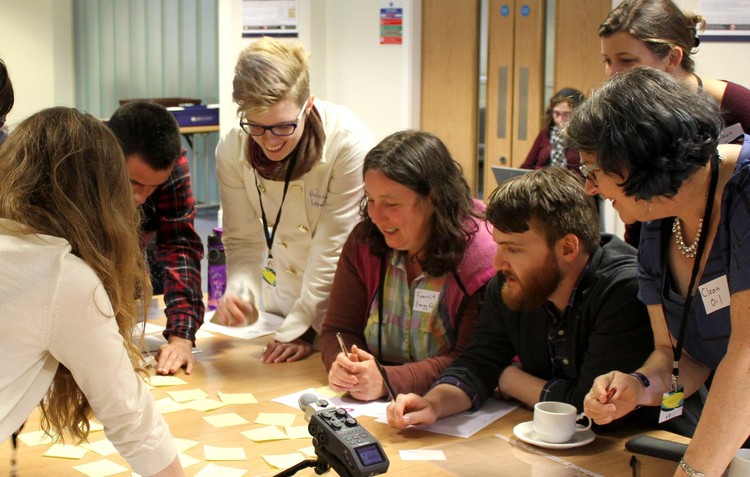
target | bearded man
[{"x": 562, "y": 310}]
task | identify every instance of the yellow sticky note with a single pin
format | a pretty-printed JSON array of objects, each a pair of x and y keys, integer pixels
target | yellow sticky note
[
  {"x": 268, "y": 433},
  {"x": 297, "y": 432},
  {"x": 284, "y": 461},
  {"x": 241, "y": 398},
  {"x": 204, "y": 404},
  {"x": 326, "y": 391},
  {"x": 159, "y": 381},
  {"x": 308, "y": 451},
  {"x": 225, "y": 420},
  {"x": 167, "y": 405},
  {"x": 187, "y": 395},
  {"x": 36, "y": 438},
  {"x": 101, "y": 447},
  {"x": 183, "y": 444},
  {"x": 65, "y": 451},
  {"x": 224, "y": 453},
  {"x": 100, "y": 468},
  {"x": 213, "y": 470},
  {"x": 186, "y": 461},
  {"x": 95, "y": 426},
  {"x": 275, "y": 418}
]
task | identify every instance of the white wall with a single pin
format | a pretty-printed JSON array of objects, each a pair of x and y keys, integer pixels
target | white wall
[
  {"x": 349, "y": 66},
  {"x": 720, "y": 60},
  {"x": 37, "y": 48}
]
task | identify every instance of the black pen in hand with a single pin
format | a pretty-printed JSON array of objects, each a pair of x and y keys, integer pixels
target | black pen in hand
[{"x": 386, "y": 381}]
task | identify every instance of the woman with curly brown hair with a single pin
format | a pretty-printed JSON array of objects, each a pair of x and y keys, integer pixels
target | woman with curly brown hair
[{"x": 412, "y": 273}]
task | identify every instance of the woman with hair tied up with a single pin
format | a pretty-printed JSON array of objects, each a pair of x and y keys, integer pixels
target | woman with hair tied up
[
  {"x": 412, "y": 273},
  {"x": 72, "y": 267},
  {"x": 660, "y": 162},
  {"x": 290, "y": 177},
  {"x": 658, "y": 34}
]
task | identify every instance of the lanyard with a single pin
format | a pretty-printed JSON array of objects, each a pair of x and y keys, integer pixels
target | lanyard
[
  {"x": 270, "y": 236},
  {"x": 677, "y": 349}
]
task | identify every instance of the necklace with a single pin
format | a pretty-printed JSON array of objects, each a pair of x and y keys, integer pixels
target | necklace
[
  {"x": 689, "y": 250},
  {"x": 686, "y": 250}
]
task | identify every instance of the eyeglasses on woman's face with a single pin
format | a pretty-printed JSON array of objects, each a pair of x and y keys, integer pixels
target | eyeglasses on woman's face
[
  {"x": 282, "y": 129},
  {"x": 586, "y": 172}
]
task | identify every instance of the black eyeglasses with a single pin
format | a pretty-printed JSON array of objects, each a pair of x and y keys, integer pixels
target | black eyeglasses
[
  {"x": 587, "y": 170},
  {"x": 285, "y": 129}
]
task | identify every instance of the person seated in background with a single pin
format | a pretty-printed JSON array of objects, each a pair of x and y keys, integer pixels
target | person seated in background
[
  {"x": 158, "y": 170},
  {"x": 290, "y": 179},
  {"x": 563, "y": 302},
  {"x": 548, "y": 148},
  {"x": 658, "y": 34},
  {"x": 6, "y": 99},
  {"x": 72, "y": 267},
  {"x": 661, "y": 163},
  {"x": 412, "y": 273}
]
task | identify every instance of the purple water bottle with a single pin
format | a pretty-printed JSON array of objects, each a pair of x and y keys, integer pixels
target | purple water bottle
[{"x": 217, "y": 269}]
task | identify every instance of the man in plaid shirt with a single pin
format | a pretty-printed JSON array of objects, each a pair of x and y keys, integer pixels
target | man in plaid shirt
[{"x": 158, "y": 170}]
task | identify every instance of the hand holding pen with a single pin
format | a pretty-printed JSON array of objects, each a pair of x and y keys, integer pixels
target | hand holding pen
[{"x": 358, "y": 372}]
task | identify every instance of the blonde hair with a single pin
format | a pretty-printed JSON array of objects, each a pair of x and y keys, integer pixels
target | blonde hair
[
  {"x": 62, "y": 173},
  {"x": 269, "y": 71}
]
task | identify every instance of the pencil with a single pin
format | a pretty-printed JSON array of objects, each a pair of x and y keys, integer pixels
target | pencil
[
  {"x": 387, "y": 382},
  {"x": 341, "y": 343}
]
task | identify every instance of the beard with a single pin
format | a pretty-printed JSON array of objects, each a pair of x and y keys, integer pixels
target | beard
[{"x": 534, "y": 290}]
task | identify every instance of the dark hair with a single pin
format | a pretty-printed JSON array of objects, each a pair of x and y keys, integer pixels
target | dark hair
[
  {"x": 149, "y": 130},
  {"x": 420, "y": 161},
  {"x": 660, "y": 24},
  {"x": 571, "y": 96},
  {"x": 649, "y": 127},
  {"x": 553, "y": 198},
  {"x": 6, "y": 91}
]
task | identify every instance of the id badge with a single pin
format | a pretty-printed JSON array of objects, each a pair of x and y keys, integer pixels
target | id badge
[
  {"x": 269, "y": 276},
  {"x": 671, "y": 404}
]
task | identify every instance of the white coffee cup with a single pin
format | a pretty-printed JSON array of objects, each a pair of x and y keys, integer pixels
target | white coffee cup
[
  {"x": 555, "y": 422},
  {"x": 740, "y": 465}
]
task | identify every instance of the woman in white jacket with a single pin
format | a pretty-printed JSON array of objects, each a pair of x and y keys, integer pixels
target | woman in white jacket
[{"x": 290, "y": 178}]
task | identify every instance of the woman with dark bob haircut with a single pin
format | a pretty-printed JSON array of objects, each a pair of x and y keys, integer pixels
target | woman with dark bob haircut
[
  {"x": 650, "y": 145},
  {"x": 409, "y": 280}
]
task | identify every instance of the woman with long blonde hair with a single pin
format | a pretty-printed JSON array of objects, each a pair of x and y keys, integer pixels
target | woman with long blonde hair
[{"x": 72, "y": 267}]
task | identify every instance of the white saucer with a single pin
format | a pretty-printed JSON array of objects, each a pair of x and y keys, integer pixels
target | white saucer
[{"x": 525, "y": 432}]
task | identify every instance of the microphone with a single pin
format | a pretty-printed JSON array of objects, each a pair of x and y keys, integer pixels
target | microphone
[{"x": 340, "y": 440}]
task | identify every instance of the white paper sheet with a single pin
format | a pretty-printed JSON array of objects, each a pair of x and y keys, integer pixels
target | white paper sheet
[{"x": 267, "y": 323}]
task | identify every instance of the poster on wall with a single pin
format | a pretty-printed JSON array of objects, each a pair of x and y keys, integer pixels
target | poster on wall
[
  {"x": 726, "y": 20},
  {"x": 391, "y": 23},
  {"x": 269, "y": 18}
]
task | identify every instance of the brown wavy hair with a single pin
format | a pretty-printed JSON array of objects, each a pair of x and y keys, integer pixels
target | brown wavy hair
[
  {"x": 660, "y": 24},
  {"x": 62, "y": 173}
]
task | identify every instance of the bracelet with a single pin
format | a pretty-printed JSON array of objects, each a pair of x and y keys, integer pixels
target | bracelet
[
  {"x": 641, "y": 378},
  {"x": 689, "y": 469}
]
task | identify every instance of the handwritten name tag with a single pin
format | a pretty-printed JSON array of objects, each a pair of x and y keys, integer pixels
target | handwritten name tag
[
  {"x": 715, "y": 294},
  {"x": 425, "y": 300}
]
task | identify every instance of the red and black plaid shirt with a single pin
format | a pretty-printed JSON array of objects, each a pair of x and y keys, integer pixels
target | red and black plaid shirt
[{"x": 168, "y": 220}]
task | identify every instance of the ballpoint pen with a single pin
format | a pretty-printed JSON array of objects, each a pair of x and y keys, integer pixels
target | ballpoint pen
[
  {"x": 341, "y": 343},
  {"x": 388, "y": 386}
]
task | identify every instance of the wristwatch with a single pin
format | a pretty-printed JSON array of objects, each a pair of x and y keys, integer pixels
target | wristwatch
[
  {"x": 689, "y": 470},
  {"x": 641, "y": 378}
]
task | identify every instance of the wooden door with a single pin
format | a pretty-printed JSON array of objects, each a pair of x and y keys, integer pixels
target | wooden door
[
  {"x": 578, "y": 60},
  {"x": 515, "y": 82},
  {"x": 450, "y": 78}
]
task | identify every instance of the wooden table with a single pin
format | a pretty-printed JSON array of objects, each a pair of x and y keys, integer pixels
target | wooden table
[{"x": 233, "y": 366}]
